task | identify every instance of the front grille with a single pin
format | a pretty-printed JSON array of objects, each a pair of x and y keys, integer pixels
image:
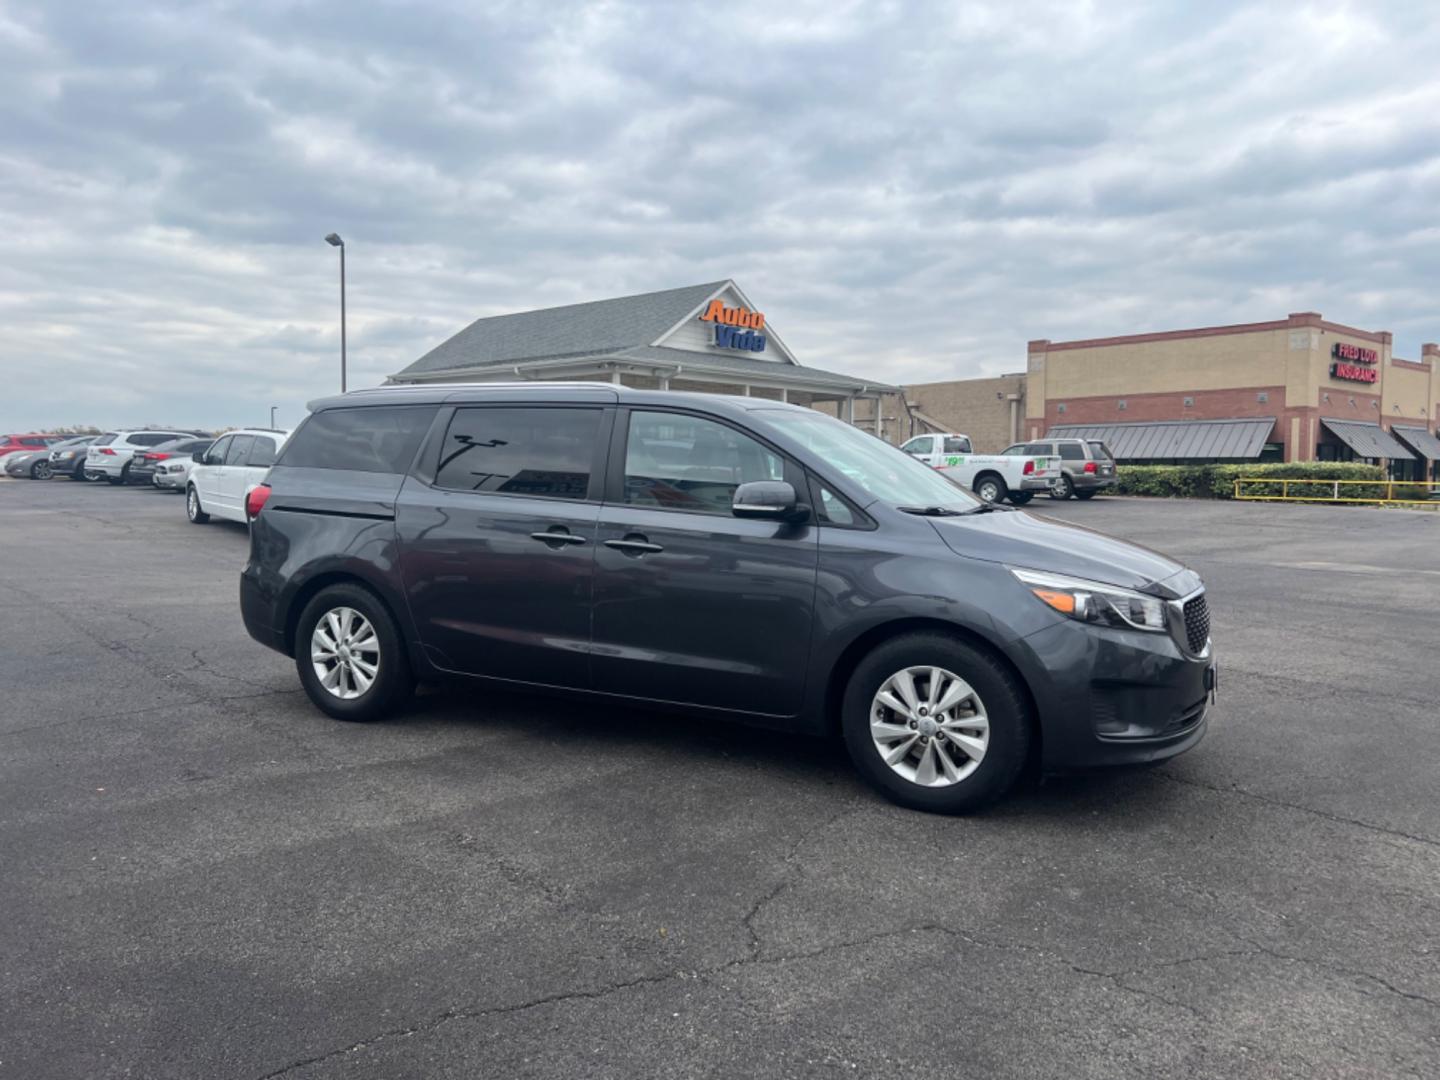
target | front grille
[{"x": 1197, "y": 623}]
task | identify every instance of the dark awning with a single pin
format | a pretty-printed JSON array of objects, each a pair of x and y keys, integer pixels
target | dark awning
[
  {"x": 1196, "y": 440},
  {"x": 1418, "y": 439},
  {"x": 1367, "y": 440}
]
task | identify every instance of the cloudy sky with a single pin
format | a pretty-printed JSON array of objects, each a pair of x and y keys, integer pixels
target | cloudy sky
[{"x": 911, "y": 191}]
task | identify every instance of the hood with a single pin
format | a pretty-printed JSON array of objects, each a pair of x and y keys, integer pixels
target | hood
[{"x": 1033, "y": 542}]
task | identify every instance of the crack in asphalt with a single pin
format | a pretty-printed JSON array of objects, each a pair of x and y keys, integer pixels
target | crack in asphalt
[
  {"x": 1116, "y": 978},
  {"x": 1269, "y": 800},
  {"x": 790, "y": 868}
]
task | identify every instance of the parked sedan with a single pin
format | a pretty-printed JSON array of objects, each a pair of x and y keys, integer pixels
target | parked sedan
[
  {"x": 146, "y": 465},
  {"x": 38, "y": 464},
  {"x": 68, "y": 458}
]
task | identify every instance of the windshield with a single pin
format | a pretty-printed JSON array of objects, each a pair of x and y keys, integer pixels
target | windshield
[{"x": 881, "y": 470}]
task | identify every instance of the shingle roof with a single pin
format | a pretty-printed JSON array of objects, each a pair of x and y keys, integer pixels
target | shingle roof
[
  {"x": 1419, "y": 439},
  {"x": 1367, "y": 440},
  {"x": 1195, "y": 439},
  {"x": 745, "y": 365},
  {"x": 597, "y": 327}
]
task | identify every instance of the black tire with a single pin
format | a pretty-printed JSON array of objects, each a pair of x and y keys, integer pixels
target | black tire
[
  {"x": 1006, "y": 706},
  {"x": 1062, "y": 488},
  {"x": 990, "y": 488},
  {"x": 78, "y": 473},
  {"x": 41, "y": 470},
  {"x": 116, "y": 480},
  {"x": 193, "y": 511},
  {"x": 1086, "y": 494},
  {"x": 393, "y": 680},
  {"x": 1020, "y": 498}
]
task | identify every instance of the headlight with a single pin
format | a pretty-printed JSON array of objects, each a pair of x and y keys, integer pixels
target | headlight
[
  {"x": 1094, "y": 602},
  {"x": 67, "y": 453}
]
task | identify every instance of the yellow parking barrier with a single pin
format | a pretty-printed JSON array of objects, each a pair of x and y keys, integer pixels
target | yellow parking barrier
[{"x": 1428, "y": 495}]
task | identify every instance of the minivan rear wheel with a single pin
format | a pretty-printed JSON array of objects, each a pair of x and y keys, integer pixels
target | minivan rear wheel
[
  {"x": 350, "y": 656},
  {"x": 936, "y": 724}
]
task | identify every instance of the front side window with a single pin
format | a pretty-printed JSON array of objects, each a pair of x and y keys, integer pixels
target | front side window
[
  {"x": 682, "y": 462},
  {"x": 875, "y": 467},
  {"x": 957, "y": 444},
  {"x": 1043, "y": 448},
  {"x": 216, "y": 454},
  {"x": 106, "y": 439},
  {"x": 376, "y": 439},
  {"x": 520, "y": 451},
  {"x": 1018, "y": 450},
  {"x": 918, "y": 445},
  {"x": 262, "y": 454}
]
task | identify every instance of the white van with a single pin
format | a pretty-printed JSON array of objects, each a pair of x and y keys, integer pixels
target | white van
[{"x": 224, "y": 475}]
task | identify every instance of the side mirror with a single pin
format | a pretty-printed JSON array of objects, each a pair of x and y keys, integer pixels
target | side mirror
[
  {"x": 772, "y": 499},
  {"x": 198, "y": 457}
]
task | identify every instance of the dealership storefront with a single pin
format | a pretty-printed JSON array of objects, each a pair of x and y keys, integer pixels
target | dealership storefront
[{"x": 708, "y": 338}]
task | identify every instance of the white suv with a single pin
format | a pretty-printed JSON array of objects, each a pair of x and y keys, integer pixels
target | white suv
[
  {"x": 108, "y": 457},
  {"x": 224, "y": 475}
]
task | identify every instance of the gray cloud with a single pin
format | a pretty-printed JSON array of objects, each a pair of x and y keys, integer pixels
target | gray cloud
[{"x": 911, "y": 190}]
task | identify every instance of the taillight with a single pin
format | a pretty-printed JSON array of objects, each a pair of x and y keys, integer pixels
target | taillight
[
  {"x": 1089, "y": 466},
  {"x": 255, "y": 501},
  {"x": 107, "y": 450},
  {"x": 1029, "y": 468},
  {"x": 159, "y": 457}
]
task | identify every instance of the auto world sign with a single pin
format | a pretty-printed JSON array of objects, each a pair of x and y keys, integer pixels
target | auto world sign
[
  {"x": 1354, "y": 364},
  {"x": 735, "y": 327}
]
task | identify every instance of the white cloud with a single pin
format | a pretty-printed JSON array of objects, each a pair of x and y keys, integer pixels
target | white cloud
[{"x": 911, "y": 190}]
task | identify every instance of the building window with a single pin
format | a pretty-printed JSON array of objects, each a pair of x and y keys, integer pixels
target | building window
[
  {"x": 1060, "y": 408},
  {"x": 1262, "y": 397},
  {"x": 1120, "y": 404},
  {"x": 1189, "y": 403}
]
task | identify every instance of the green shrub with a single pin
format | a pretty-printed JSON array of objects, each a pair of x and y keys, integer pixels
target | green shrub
[{"x": 1218, "y": 481}]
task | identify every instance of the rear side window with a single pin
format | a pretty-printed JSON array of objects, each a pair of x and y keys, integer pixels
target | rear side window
[
  {"x": 520, "y": 451},
  {"x": 681, "y": 462},
  {"x": 379, "y": 439},
  {"x": 957, "y": 445},
  {"x": 262, "y": 454},
  {"x": 1072, "y": 451},
  {"x": 239, "y": 448}
]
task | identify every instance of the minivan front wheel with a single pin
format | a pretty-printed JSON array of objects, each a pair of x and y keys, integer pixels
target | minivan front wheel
[
  {"x": 193, "y": 510},
  {"x": 349, "y": 655},
  {"x": 936, "y": 724}
]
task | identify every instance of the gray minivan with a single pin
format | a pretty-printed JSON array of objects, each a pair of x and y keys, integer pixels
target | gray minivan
[{"x": 733, "y": 556}]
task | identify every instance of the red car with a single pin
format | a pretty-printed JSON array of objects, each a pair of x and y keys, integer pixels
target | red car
[{"x": 10, "y": 444}]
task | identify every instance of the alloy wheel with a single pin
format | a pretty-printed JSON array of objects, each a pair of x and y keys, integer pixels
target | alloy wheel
[
  {"x": 930, "y": 726},
  {"x": 42, "y": 470},
  {"x": 345, "y": 652}
]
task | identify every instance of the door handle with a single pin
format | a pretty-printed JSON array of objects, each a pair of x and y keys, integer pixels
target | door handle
[
  {"x": 557, "y": 539},
  {"x": 634, "y": 546}
]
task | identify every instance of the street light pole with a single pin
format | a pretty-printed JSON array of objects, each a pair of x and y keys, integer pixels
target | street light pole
[
  {"x": 334, "y": 241},
  {"x": 272, "y": 417}
]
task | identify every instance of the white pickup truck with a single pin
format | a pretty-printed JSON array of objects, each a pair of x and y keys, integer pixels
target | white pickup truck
[{"x": 992, "y": 477}]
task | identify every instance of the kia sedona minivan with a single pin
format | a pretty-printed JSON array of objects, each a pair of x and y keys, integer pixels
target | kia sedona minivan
[{"x": 731, "y": 556}]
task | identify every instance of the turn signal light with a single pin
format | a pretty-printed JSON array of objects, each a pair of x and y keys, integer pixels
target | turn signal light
[{"x": 255, "y": 501}]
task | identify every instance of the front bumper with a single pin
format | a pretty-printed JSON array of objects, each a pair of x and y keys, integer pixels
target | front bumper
[
  {"x": 168, "y": 481},
  {"x": 1115, "y": 697}
]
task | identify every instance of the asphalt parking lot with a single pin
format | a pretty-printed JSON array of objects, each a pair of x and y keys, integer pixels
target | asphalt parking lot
[{"x": 205, "y": 877}]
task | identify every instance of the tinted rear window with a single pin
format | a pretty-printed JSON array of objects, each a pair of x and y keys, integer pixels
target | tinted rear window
[
  {"x": 380, "y": 439},
  {"x": 520, "y": 451},
  {"x": 262, "y": 454},
  {"x": 1100, "y": 450},
  {"x": 239, "y": 447},
  {"x": 104, "y": 440}
]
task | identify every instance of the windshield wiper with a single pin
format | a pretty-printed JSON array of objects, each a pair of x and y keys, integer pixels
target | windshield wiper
[{"x": 931, "y": 511}]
